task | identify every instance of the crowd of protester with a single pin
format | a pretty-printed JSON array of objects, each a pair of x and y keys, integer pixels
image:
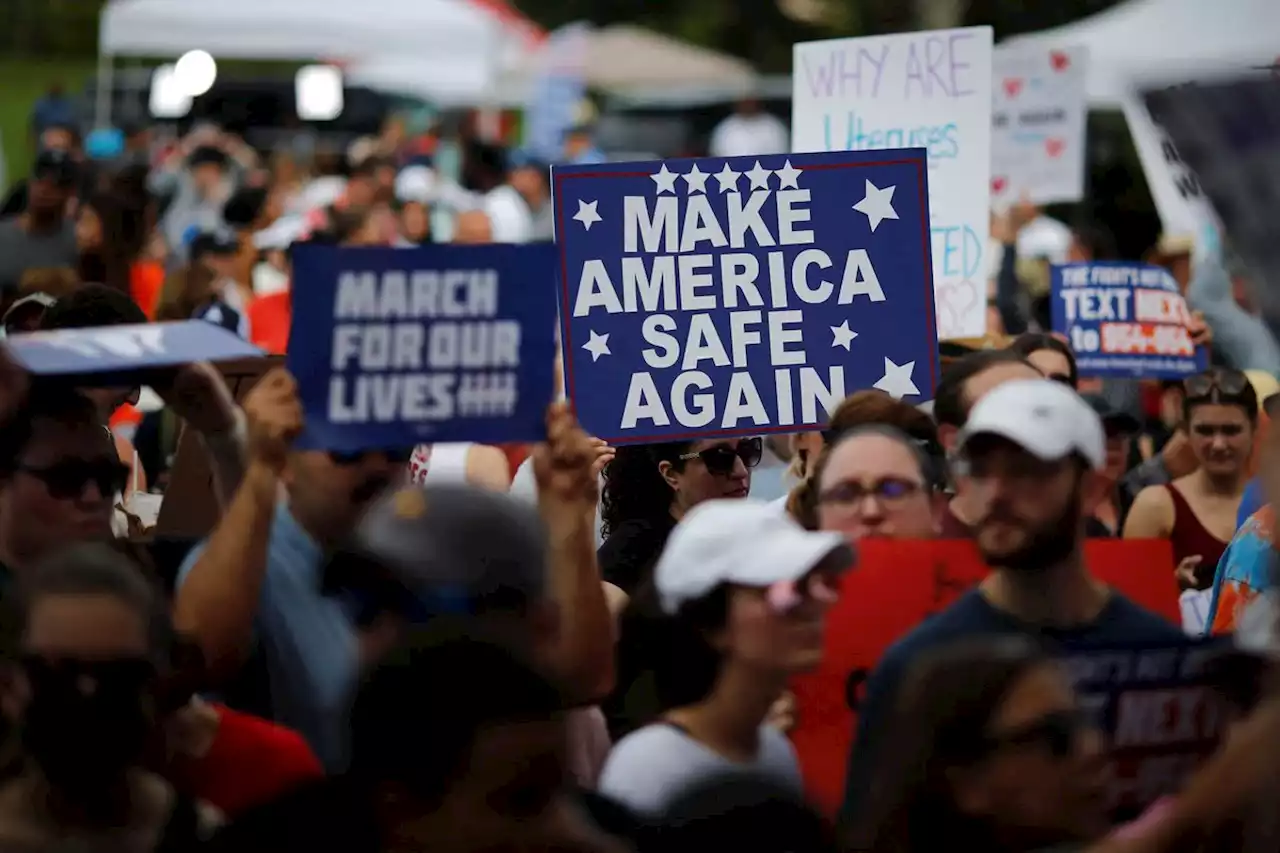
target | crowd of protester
[{"x": 571, "y": 646}]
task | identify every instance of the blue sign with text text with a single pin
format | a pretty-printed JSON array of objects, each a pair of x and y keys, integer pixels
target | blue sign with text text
[
  {"x": 107, "y": 354},
  {"x": 1124, "y": 320},
  {"x": 396, "y": 347},
  {"x": 743, "y": 295}
]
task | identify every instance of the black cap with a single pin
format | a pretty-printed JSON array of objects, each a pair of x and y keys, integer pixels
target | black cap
[
  {"x": 445, "y": 549},
  {"x": 219, "y": 242},
  {"x": 207, "y": 155},
  {"x": 58, "y": 166},
  {"x": 1114, "y": 421}
]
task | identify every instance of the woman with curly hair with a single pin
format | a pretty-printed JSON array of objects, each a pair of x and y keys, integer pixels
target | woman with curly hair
[{"x": 647, "y": 488}]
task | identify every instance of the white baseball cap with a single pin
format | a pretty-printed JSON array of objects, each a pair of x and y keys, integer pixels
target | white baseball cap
[
  {"x": 1045, "y": 418},
  {"x": 739, "y": 541}
]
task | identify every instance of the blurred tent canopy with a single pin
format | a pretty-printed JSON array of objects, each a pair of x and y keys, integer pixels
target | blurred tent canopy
[
  {"x": 466, "y": 42},
  {"x": 1155, "y": 42},
  {"x": 615, "y": 59}
]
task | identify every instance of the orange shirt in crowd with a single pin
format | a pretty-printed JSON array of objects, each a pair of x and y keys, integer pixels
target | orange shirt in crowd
[
  {"x": 252, "y": 761},
  {"x": 269, "y": 320},
  {"x": 146, "y": 280}
]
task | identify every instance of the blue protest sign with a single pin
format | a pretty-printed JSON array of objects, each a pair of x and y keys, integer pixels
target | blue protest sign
[
  {"x": 1124, "y": 320},
  {"x": 715, "y": 297},
  {"x": 396, "y": 347},
  {"x": 111, "y": 351},
  {"x": 1159, "y": 707}
]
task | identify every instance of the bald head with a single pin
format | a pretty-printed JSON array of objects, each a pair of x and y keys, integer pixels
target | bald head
[{"x": 473, "y": 228}]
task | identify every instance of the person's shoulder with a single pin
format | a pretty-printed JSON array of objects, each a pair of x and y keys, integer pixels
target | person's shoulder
[
  {"x": 646, "y": 739},
  {"x": 1131, "y": 621},
  {"x": 965, "y": 616}
]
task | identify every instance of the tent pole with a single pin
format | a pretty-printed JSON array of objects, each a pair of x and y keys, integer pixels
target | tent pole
[{"x": 103, "y": 90}]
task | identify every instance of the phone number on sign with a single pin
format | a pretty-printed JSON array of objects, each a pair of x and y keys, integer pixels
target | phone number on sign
[{"x": 1146, "y": 339}]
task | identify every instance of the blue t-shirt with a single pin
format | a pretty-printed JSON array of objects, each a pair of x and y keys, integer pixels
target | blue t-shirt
[{"x": 1120, "y": 622}]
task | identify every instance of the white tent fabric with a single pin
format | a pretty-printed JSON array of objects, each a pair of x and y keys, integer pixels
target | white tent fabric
[
  {"x": 1166, "y": 42},
  {"x": 618, "y": 58},
  {"x": 333, "y": 30}
]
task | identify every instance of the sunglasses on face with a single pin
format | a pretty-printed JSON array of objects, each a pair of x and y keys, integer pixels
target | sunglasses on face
[
  {"x": 1057, "y": 733},
  {"x": 66, "y": 480},
  {"x": 395, "y": 457},
  {"x": 89, "y": 677},
  {"x": 1228, "y": 382},
  {"x": 719, "y": 460}
]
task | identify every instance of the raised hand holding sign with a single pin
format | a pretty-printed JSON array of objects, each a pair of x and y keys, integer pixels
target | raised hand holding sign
[{"x": 743, "y": 295}]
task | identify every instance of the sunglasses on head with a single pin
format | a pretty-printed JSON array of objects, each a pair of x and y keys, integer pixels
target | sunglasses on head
[
  {"x": 1056, "y": 732},
  {"x": 1226, "y": 382},
  {"x": 720, "y": 459},
  {"x": 67, "y": 479},
  {"x": 398, "y": 456}
]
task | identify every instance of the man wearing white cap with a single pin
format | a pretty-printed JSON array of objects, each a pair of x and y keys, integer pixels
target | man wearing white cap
[{"x": 1033, "y": 451}]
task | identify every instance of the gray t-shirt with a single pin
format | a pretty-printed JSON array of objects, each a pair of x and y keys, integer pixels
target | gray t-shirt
[
  {"x": 650, "y": 767},
  {"x": 20, "y": 251}
]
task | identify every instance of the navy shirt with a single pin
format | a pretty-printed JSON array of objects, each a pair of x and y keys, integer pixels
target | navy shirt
[{"x": 1121, "y": 621}]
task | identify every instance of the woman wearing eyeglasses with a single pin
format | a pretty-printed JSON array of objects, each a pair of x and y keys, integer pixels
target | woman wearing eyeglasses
[
  {"x": 1197, "y": 513},
  {"x": 988, "y": 751}
]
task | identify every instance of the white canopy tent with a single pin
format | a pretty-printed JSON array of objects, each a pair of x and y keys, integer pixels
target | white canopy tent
[
  {"x": 464, "y": 42},
  {"x": 1165, "y": 42},
  {"x": 617, "y": 58}
]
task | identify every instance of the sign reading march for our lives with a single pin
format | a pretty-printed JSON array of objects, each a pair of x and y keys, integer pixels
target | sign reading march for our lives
[
  {"x": 741, "y": 295},
  {"x": 105, "y": 355},
  {"x": 1124, "y": 320},
  {"x": 396, "y": 347},
  {"x": 929, "y": 89}
]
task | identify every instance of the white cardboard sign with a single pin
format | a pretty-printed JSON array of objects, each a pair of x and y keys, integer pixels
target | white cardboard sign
[
  {"x": 927, "y": 90},
  {"x": 1038, "y": 124}
]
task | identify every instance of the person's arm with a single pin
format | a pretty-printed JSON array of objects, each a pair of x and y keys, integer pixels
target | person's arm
[
  {"x": 219, "y": 591},
  {"x": 198, "y": 394},
  {"x": 1151, "y": 516},
  {"x": 564, "y": 466},
  {"x": 488, "y": 468},
  {"x": 1242, "y": 338},
  {"x": 1007, "y": 293}
]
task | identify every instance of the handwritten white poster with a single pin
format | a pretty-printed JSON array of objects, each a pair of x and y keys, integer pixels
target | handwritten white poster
[
  {"x": 1038, "y": 124},
  {"x": 927, "y": 90}
]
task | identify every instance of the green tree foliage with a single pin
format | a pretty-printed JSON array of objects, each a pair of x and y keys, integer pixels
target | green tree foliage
[{"x": 49, "y": 29}]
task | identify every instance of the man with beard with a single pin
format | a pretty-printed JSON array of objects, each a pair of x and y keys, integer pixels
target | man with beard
[{"x": 1032, "y": 451}]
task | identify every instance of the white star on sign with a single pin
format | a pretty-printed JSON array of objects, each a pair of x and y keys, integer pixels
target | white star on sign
[
  {"x": 598, "y": 346},
  {"x": 697, "y": 180},
  {"x": 665, "y": 179},
  {"x": 788, "y": 176},
  {"x": 842, "y": 335},
  {"x": 759, "y": 176},
  {"x": 587, "y": 213},
  {"x": 877, "y": 206},
  {"x": 728, "y": 179},
  {"x": 896, "y": 381}
]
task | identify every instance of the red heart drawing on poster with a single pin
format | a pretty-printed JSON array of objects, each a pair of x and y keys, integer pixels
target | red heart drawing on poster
[
  {"x": 1059, "y": 60},
  {"x": 1012, "y": 86},
  {"x": 1054, "y": 146},
  {"x": 998, "y": 185}
]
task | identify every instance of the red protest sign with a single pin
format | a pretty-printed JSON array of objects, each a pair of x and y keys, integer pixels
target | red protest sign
[{"x": 896, "y": 586}]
